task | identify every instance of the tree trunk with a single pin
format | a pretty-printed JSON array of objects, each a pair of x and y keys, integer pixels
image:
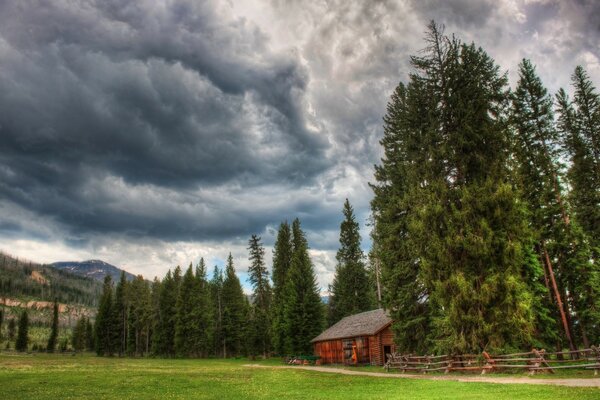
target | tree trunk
[{"x": 559, "y": 302}]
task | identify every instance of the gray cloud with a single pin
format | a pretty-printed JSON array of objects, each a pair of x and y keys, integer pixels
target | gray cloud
[{"x": 145, "y": 132}]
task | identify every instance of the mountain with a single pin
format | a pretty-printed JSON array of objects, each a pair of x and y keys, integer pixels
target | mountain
[
  {"x": 95, "y": 269},
  {"x": 22, "y": 280}
]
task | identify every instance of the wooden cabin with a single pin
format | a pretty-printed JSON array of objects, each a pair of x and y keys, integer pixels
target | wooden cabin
[{"x": 362, "y": 338}]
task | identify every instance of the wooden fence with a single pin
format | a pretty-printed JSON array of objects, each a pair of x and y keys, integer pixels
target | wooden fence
[{"x": 532, "y": 362}]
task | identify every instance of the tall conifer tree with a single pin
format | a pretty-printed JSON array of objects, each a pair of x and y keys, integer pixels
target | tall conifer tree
[
  {"x": 261, "y": 299},
  {"x": 463, "y": 220},
  {"x": 303, "y": 309},
  {"x": 164, "y": 331},
  {"x": 120, "y": 314},
  {"x": 282, "y": 258},
  {"x": 22, "y": 342},
  {"x": 351, "y": 292},
  {"x": 234, "y": 312},
  {"x": 216, "y": 289},
  {"x": 54, "y": 330},
  {"x": 104, "y": 327}
]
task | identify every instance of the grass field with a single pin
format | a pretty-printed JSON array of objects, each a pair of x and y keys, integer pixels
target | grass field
[{"x": 43, "y": 376}]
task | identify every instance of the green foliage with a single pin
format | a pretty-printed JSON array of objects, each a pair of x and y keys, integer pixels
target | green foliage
[
  {"x": 260, "y": 322},
  {"x": 165, "y": 317},
  {"x": 139, "y": 321},
  {"x": 12, "y": 328},
  {"x": 17, "y": 281},
  {"x": 54, "y": 333},
  {"x": 282, "y": 259},
  {"x": 303, "y": 310},
  {"x": 105, "y": 330},
  {"x": 234, "y": 312},
  {"x": 120, "y": 311},
  {"x": 79, "y": 336},
  {"x": 23, "y": 334},
  {"x": 449, "y": 226},
  {"x": 216, "y": 294},
  {"x": 351, "y": 290},
  {"x": 193, "y": 325},
  {"x": 578, "y": 125}
]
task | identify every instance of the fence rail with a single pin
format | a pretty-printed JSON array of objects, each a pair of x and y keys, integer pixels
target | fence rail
[{"x": 532, "y": 362}]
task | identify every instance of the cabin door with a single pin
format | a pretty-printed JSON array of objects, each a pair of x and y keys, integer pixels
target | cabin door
[{"x": 386, "y": 350}]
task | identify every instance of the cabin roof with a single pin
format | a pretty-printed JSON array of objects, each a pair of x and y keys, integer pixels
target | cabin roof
[{"x": 364, "y": 324}]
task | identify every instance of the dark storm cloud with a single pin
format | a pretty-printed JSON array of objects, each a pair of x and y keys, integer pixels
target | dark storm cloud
[
  {"x": 462, "y": 13},
  {"x": 170, "y": 98}
]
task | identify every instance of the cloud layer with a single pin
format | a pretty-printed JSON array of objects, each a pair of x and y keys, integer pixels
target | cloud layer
[{"x": 151, "y": 133}]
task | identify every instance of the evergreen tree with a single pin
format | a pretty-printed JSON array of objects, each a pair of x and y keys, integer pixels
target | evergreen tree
[
  {"x": 164, "y": 331},
  {"x": 12, "y": 327},
  {"x": 139, "y": 316},
  {"x": 120, "y": 314},
  {"x": 1, "y": 321},
  {"x": 261, "y": 299},
  {"x": 89, "y": 336},
  {"x": 54, "y": 332},
  {"x": 351, "y": 290},
  {"x": 204, "y": 311},
  {"x": 187, "y": 332},
  {"x": 78, "y": 338},
  {"x": 578, "y": 125},
  {"x": 459, "y": 213},
  {"x": 104, "y": 327},
  {"x": 233, "y": 312},
  {"x": 303, "y": 309},
  {"x": 216, "y": 290},
  {"x": 23, "y": 334},
  {"x": 282, "y": 259}
]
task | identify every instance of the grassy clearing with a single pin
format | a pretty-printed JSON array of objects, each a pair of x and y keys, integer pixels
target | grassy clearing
[{"x": 44, "y": 376}]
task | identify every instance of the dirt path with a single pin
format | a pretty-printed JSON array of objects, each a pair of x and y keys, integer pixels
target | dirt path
[{"x": 574, "y": 382}]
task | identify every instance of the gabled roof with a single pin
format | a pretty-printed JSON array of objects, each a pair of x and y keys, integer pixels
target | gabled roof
[{"x": 364, "y": 324}]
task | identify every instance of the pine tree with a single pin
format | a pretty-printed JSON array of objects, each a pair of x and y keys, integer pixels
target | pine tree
[
  {"x": 405, "y": 293},
  {"x": 578, "y": 125},
  {"x": 186, "y": 330},
  {"x": 164, "y": 331},
  {"x": 104, "y": 327},
  {"x": 54, "y": 332},
  {"x": 351, "y": 290},
  {"x": 78, "y": 338},
  {"x": 204, "y": 311},
  {"x": 459, "y": 213},
  {"x": 12, "y": 327},
  {"x": 261, "y": 299},
  {"x": 282, "y": 259},
  {"x": 23, "y": 334},
  {"x": 139, "y": 316},
  {"x": 120, "y": 314},
  {"x": 233, "y": 312},
  {"x": 216, "y": 290},
  {"x": 303, "y": 309},
  {"x": 89, "y": 336}
]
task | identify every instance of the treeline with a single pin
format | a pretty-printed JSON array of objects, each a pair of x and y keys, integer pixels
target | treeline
[
  {"x": 186, "y": 314},
  {"x": 24, "y": 279},
  {"x": 487, "y": 206}
]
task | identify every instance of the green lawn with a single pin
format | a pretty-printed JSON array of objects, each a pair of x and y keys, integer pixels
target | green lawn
[{"x": 44, "y": 376}]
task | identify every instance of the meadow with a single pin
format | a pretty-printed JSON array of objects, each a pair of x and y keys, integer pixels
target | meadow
[{"x": 43, "y": 376}]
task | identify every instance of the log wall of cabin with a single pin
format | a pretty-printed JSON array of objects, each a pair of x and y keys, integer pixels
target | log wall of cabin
[
  {"x": 369, "y": 348},
  {"x": 377, "y": 342}
]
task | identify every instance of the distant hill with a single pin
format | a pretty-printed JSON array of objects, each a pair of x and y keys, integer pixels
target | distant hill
[
  {"x": 95, "y": 269},
  {"x": 24, "y": 280}
]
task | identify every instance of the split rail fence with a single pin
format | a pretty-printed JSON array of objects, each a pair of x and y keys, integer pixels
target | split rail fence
[{"x": 532, "y": 362}]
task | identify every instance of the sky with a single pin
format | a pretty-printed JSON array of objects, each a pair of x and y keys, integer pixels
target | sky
[{"x": 151, "y": 133}]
